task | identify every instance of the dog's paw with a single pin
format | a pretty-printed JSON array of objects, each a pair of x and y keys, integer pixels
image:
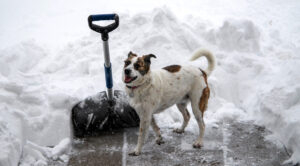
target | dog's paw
[
  {"x": 134, "y": 153},
  {"x": 159, "y": 141},
  {"x": 198, "y": 144},
  {"x": 178, "y": 130}
]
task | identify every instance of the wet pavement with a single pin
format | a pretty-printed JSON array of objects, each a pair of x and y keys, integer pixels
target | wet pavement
[{"x": 229, "y": 144}]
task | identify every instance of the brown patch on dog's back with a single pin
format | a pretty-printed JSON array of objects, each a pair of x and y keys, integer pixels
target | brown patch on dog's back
[
  {"x": 205, "y": 95},
  {"x": 172, "y": 68}
]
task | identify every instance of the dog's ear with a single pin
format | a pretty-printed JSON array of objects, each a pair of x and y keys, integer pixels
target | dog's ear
[
  {"x": 147, "y": 58},
  {"x": 131, "y": 54}
]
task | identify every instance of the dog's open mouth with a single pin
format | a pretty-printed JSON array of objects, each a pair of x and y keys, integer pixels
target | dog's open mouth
[{"x": 129, "y": 79}]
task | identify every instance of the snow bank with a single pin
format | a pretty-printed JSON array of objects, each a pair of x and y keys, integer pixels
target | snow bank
[
  {"x": 11, "y": 137},
  {"x": 236, "y": 35},
  {"x": 256, "y": 77},
  {"x": 280, "y": 103},
  {"x": 32, "y": 109}
]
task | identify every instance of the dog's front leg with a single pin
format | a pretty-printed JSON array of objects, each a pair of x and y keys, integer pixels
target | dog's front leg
[{"x": 145, "y": 119}]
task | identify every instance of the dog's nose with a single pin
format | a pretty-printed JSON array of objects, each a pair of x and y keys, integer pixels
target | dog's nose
[{"x": 127, "y": 71}]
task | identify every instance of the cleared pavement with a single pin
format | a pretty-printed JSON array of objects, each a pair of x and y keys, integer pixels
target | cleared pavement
[{"x": 230, "y": 144}]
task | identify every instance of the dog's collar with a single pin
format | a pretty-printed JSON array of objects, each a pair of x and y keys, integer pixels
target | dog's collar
[
  {"x": 132, "y": 87},
  {"x": 135, "y": 87}
]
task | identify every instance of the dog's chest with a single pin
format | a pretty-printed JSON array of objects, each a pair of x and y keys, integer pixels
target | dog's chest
[{"x": 145, "y": 100}]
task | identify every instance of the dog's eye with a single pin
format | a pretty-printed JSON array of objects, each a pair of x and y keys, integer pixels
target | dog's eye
[
  {"x": 136, "y": 65},
  {"x": 127, "y": 63}
]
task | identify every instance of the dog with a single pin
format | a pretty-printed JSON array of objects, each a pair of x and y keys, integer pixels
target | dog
[{"x": 152, "y": 92}]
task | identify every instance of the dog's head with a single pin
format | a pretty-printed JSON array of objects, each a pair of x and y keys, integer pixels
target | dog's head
[{"x": 136, "y": 69}]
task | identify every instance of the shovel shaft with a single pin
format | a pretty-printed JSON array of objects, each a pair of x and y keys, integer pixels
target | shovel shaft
[
  {"x": 104, "y": 30},
  {"x": 108, "y": 72},
  {"x": 106, "y": 54}
]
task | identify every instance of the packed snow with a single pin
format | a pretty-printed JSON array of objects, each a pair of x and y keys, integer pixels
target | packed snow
[{"x": 50, "y": 60}]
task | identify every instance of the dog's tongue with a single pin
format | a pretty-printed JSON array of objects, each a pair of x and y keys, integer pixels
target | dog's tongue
[{"x": 127, "y": 79}]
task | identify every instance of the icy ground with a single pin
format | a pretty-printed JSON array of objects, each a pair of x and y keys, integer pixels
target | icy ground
[
  {"x": 49, "y": 60},
  {"x": 228, "y": 144}
]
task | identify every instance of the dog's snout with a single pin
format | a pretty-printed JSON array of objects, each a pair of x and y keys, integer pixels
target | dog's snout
[{"x": 127, "y": 71}]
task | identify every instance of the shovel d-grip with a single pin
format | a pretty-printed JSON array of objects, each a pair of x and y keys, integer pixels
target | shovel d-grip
[{"x": 104, "y": 30}]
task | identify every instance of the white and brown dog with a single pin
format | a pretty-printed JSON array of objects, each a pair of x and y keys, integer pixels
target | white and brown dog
[{"x": 152, "y": 92}]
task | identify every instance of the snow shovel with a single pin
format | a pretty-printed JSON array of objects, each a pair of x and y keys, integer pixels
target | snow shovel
[{"x": 103, "y": 111}]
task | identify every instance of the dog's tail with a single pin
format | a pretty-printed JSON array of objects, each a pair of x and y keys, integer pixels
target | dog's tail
[{"x": 210, "y": 58}]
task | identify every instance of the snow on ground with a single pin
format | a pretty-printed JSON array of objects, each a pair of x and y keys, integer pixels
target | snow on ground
[{"x": 50, "y": 60}]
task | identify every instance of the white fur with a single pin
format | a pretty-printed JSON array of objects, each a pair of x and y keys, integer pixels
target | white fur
[{"x": 160, "y": 89}]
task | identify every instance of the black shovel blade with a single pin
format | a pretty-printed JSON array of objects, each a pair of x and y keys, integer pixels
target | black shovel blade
[{"x": 97, "y": 113}]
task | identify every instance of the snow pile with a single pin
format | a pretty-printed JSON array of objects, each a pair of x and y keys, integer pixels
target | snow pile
[
  {"x": 234, "y": 35},
  {"x": 11, "y": 138},
  {"x": 280, "y": 103},
  {"x": 256, "y": 76},
  {"x": 32, "y": 109},
  {"x": 38, "y": 155}
]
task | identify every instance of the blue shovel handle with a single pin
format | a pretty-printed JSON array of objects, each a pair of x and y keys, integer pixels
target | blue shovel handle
[
  {"x": 104, "y": 30},
  {"x": 99, "y": 17}
]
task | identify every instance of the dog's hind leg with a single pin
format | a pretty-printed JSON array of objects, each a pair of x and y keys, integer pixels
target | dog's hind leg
[
  {"x": 199, "y": 118},
  {"x": 156, "y": 129},
  {"x": 186, "y": 117}
]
